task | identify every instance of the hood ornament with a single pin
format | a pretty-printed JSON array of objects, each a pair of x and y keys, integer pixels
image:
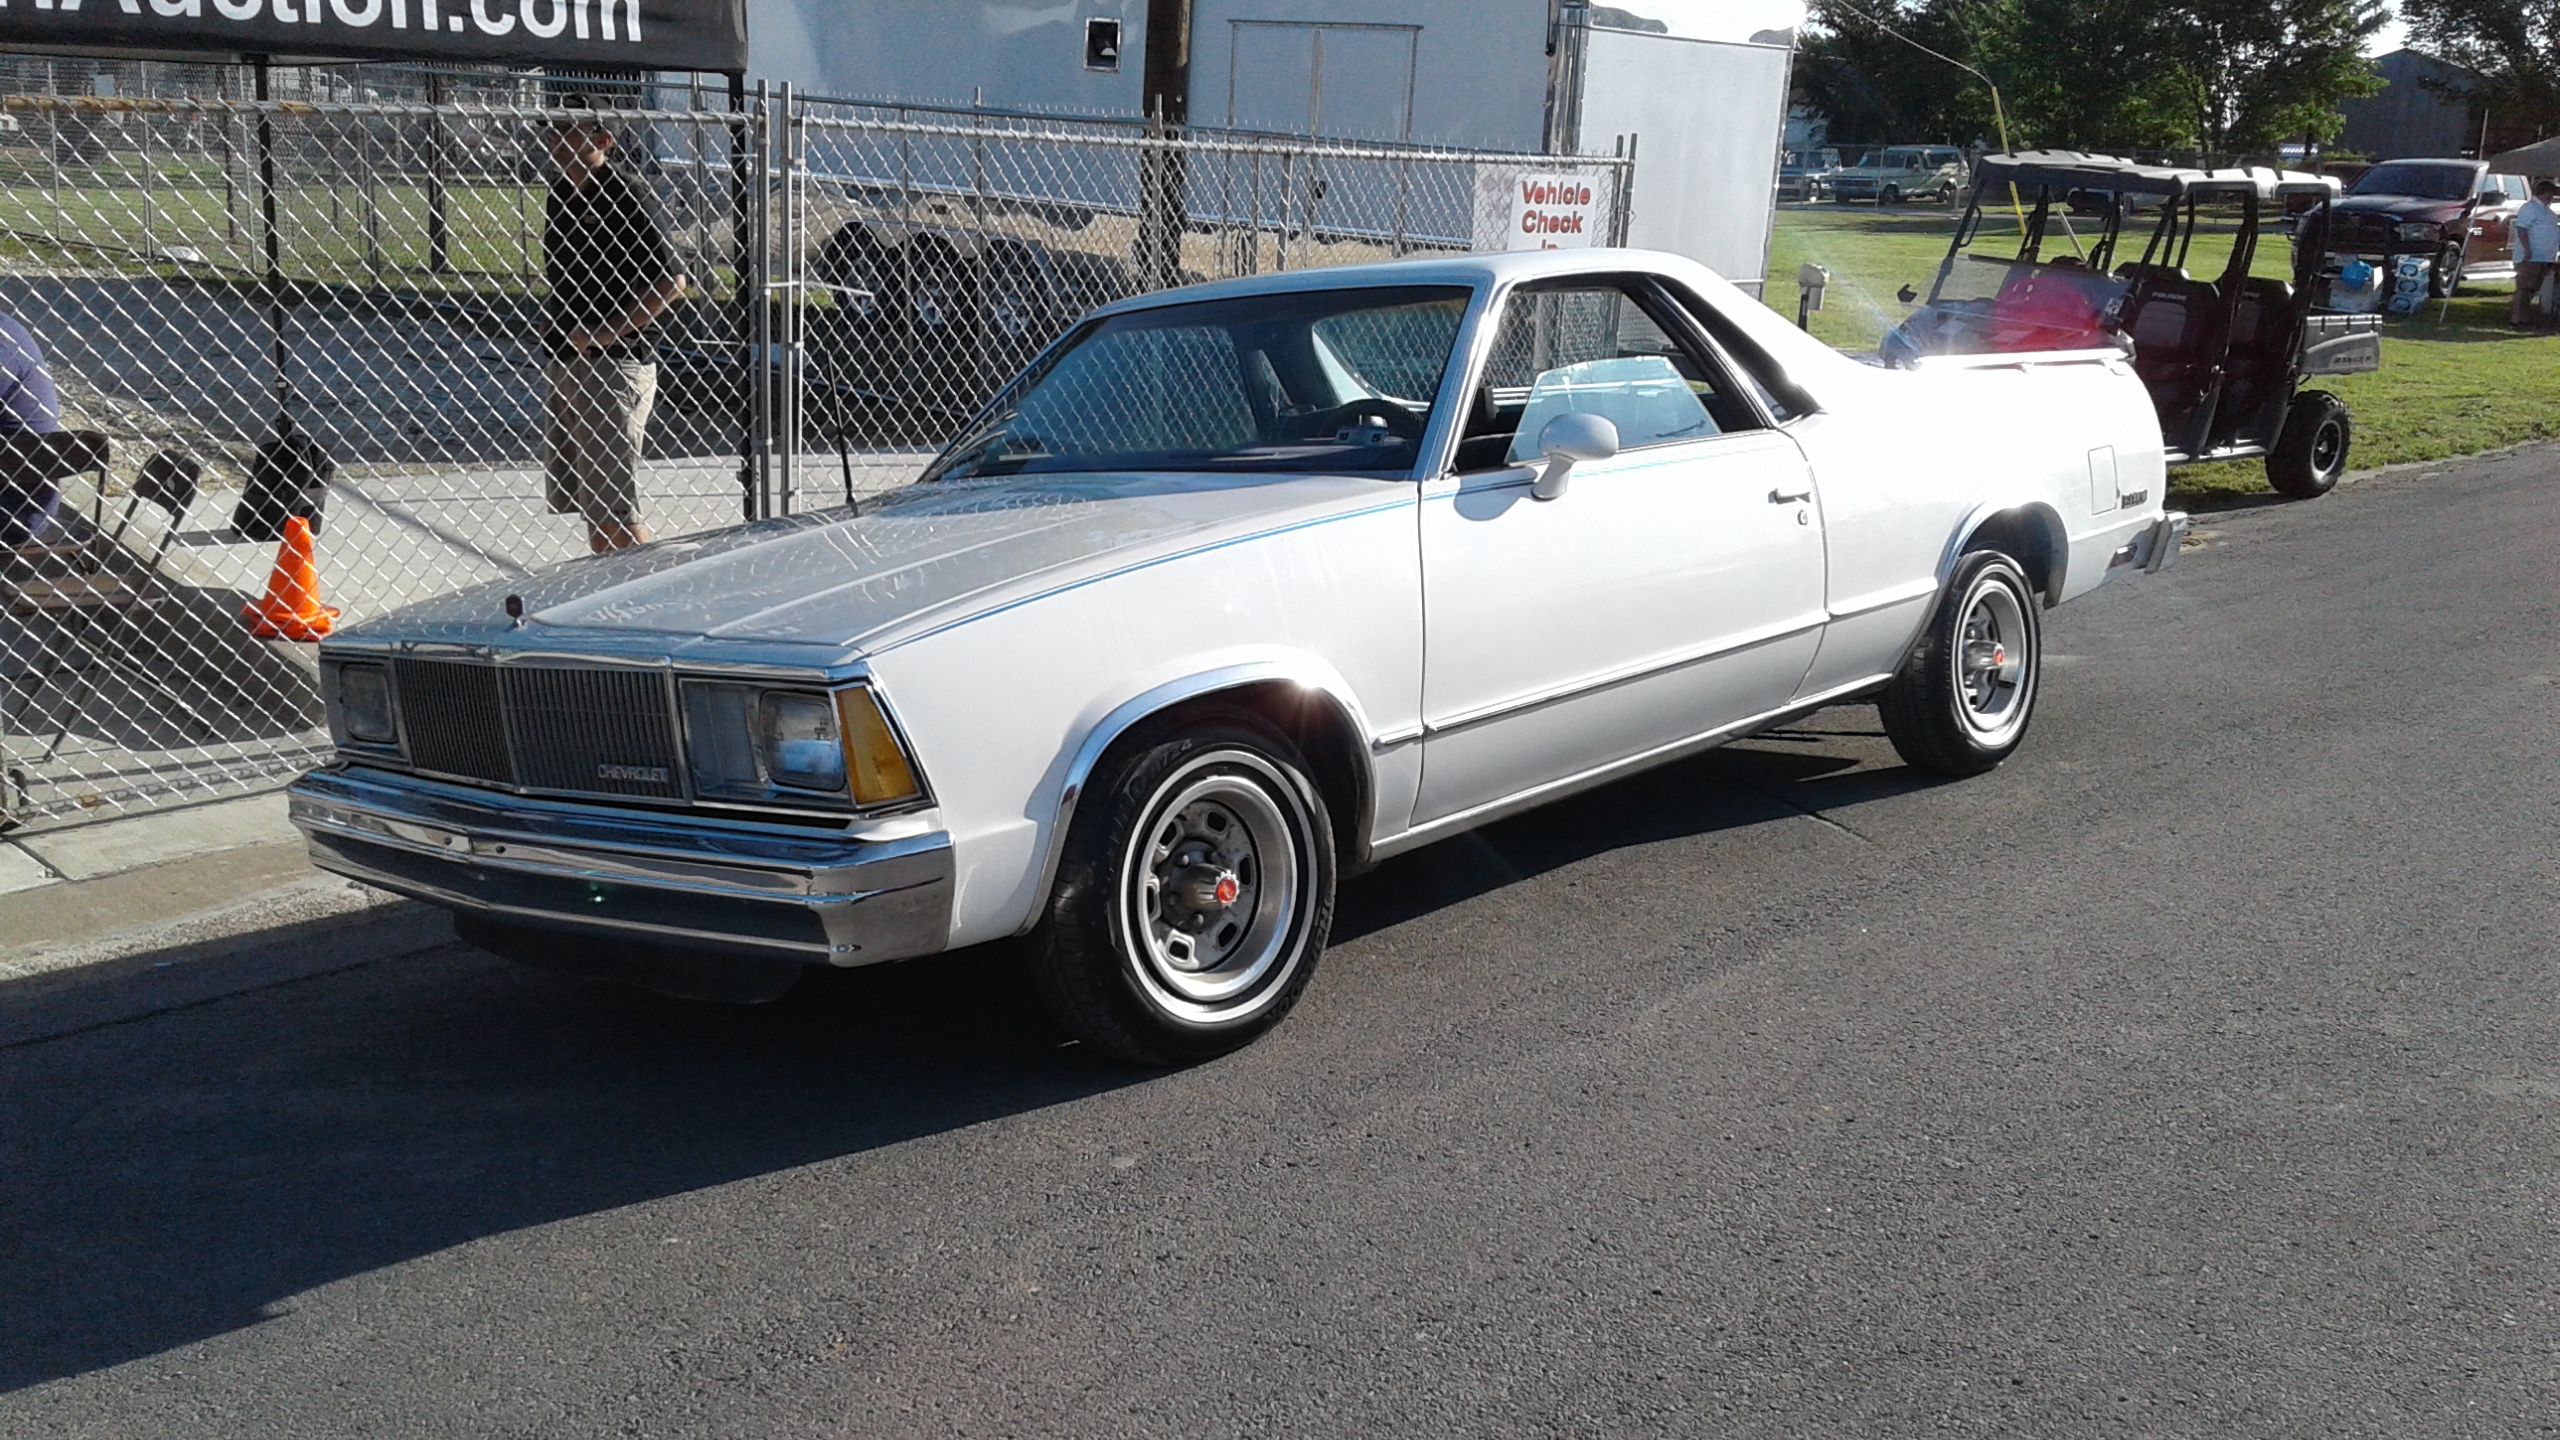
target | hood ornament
[{"x": 514, "y": 606}]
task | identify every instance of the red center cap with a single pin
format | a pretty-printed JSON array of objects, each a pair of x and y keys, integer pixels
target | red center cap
[
  {"x": 1999, "y": 654},
  {"x": 1228, "y": 889}
]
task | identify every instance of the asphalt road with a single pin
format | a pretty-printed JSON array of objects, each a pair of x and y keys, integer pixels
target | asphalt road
[{"x": 2192, "y": 1075}]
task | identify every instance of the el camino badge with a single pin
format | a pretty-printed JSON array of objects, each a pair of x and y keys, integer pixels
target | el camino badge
[{"x": 634, "y": 774}]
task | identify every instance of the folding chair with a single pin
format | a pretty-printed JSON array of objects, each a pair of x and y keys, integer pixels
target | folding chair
[
  {"x": 31, "y": 463},
  {"x": 92, "y": 603}
]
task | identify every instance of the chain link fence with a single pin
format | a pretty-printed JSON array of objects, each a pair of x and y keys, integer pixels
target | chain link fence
[{"x": 344, "y": 282}]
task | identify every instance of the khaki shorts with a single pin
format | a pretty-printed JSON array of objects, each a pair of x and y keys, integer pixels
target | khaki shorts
[{"x": 596, "y": 416}]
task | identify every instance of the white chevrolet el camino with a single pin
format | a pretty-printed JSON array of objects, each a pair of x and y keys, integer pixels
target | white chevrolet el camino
[{"x": 1237, "y": 588}]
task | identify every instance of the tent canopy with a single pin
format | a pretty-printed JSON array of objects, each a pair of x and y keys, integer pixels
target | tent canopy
[
  {"x": 2542, "y": 157},
  {"x": 709, "y": 35}
]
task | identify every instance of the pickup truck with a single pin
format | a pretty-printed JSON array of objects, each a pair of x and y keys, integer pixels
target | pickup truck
[{"x": 1233, "y": 590}]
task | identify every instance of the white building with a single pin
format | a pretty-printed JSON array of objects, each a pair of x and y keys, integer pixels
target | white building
[{"x": 1698, "y": 86}]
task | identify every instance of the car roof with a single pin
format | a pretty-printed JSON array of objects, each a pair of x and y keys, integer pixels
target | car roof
[
  {"x": 2110, "y": 172},
  {"x": 1473, "y": 272}
]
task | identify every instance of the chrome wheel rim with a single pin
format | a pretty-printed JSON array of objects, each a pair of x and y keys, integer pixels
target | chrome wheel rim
[
  {"x": 1994, "y": 663},
  {"x": 1212, "y": 892},
  {"x": 2326, "y": 447}
]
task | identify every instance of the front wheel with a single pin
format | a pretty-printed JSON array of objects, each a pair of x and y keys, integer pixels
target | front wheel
[
  {"x": 1961, "y": 701},
  {"x": 1891, "y": 195},
  {"x": 2311, "y": 453},
  {"x": 2445, "y": 276},
  {"x": 1193, "y": 898}
]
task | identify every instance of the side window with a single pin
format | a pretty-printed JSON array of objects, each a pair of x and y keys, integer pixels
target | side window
[{"x": 1591, "y": 348}]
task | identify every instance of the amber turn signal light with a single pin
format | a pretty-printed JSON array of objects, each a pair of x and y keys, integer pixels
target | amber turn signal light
[{"x": 881, "y": 774}]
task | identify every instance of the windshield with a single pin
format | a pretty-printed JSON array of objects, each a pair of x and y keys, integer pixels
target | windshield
[
  {"x": 1324, "y": 380},
  {"x": 2418, "y": 179}
]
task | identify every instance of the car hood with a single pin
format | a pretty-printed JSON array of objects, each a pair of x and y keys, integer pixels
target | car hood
[
  {"x": 913, "y": 560},
  {"x": 2400, "y": 207}
]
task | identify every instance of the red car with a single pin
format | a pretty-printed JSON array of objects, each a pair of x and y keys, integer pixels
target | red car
[{"x": 2453, "y": 211}]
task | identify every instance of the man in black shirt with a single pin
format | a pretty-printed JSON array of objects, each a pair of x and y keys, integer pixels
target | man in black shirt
[{"x": 611, "y": 273}]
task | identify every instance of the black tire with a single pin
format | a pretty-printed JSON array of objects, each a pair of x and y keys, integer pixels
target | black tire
[
  {"x": 2444, "y": 277},
  {"x": 1947, "y": 711},
  {"x": 1889, "y": 195},
  {"x": 2312, "y": 451},
  {"x": 1126, "y": 993}
]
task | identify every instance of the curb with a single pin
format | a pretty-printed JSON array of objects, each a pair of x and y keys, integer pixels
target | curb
[{"x": 275, "y": 938}]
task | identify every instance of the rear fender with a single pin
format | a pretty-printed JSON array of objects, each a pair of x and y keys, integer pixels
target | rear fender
[{"x": 2029, "y": 530}]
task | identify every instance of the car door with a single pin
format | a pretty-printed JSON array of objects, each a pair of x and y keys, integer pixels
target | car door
[
  {"x": 2493, "y": 221},
  {"x": 1670, "y": 590}
]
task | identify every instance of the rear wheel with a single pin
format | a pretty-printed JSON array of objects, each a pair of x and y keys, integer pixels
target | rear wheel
[
  {"x": 1194, "y": 896},
  {"x": 1961, "y": 701},
  {"x": 2312, "y": 452}
]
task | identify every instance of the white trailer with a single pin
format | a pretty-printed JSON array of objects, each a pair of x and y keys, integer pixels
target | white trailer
[{"x": 1699, "y": 87}]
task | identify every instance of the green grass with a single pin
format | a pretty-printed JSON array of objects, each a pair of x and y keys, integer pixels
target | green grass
[{"x": 2453, "y": 382}]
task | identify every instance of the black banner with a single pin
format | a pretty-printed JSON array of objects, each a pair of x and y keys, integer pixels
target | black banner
[{"x": 569, "y": 34}]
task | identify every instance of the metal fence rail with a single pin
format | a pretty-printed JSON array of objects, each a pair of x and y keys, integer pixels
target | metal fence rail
[{"x": 363, "y": 265}]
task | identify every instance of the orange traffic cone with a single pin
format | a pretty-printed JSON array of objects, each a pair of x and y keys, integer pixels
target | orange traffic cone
[{"x": 291, "y": 609}]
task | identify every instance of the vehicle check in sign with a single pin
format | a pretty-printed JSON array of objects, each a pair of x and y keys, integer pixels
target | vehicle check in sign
[
  {"x": 1529, "y": 210},
  {"x": 708, "y": 35}
]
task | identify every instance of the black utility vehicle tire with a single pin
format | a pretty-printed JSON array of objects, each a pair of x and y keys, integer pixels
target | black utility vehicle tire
[
  {"x": 1962, "y": 699},
  {"x": 1889, "y": 195},
  {"x": 2312, "y": 452},
  {"x": 2445, "y": 276},
  {"x": 1109, "y": 973}
]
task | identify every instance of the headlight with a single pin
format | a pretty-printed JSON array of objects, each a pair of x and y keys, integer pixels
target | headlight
[
  {"x": 2420, "y": 230},
  {"x": 360, "y": 711},
  {"x": 796, "y": 734},
  {"x": 786, "y": 744}
]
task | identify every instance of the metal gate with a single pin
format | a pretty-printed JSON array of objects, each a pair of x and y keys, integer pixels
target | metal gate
[{"x": 365, "y": 265}]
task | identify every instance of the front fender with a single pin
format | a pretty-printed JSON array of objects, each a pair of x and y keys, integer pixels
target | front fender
[{"x": 1195, "y": 680}]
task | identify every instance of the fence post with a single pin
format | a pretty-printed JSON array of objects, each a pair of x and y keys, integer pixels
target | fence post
[
  {"x": 1160, "y": 208},
  {"x": 274, "y": 244},
  {"x": 748, "y": 164},
  {"x": 1622, "y": 205},
  {"x": 439, "y": 230},
  {"x": 784, "y": 262}
]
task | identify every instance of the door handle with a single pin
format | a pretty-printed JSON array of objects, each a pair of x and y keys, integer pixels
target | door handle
[{"x": 1790, "y": 497}]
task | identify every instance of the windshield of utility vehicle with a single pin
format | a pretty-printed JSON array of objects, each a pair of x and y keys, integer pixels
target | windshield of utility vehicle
[
  {"x": 2417, "y": 179},
  {"x": 1323, "y": 380}
]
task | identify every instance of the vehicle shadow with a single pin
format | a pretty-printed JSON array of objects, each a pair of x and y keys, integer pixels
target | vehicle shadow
[{"x": 183, "y": 1175}]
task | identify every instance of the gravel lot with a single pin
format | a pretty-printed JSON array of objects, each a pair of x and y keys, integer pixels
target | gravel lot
[{"x": 2192, "y": 1075}]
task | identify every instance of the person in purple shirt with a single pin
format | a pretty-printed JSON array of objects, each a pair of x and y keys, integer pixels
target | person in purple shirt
[{"x": 28, "y": 405}]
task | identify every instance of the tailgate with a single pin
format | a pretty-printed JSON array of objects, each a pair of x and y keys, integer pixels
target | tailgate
[{"x": 2339, "y": 344}]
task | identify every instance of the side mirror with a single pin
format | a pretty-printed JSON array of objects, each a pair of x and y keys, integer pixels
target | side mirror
[{"x": 1567, "y": 439}]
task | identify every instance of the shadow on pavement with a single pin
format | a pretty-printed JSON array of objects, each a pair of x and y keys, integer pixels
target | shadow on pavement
[{"x": 170, "y": 1178}]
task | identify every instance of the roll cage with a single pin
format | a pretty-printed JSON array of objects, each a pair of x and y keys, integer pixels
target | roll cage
[{"x": 2221, "y": 355}]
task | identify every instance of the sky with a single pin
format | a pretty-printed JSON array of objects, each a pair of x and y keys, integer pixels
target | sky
[{"x": 2389, "y": 38}]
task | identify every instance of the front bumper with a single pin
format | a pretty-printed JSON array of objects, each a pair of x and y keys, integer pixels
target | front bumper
[
  {"x": 816, "y": 896},
  {"x": 2157, "y": 547}
]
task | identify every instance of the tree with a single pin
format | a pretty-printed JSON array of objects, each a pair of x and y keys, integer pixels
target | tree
[
  {"x": 2512, "y": 45},
  {"x": 1875, "y": 88},
  {"x": 2222, "y": 76},
  {"x": 2260, "y": 72},
  {"x": 2085, "y": 74}
]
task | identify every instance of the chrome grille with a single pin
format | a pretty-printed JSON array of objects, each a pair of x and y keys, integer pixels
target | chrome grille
[
  {"x": 604, "y": 731},
  {"x": 450, "y": 713},
  {"x": 593, "y": 731}
]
